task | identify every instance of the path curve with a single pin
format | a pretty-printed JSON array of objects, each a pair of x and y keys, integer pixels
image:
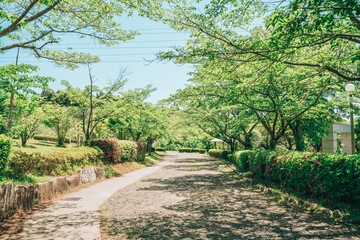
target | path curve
[
  {"x": 76, "y": 216},
  {"x": 197, "y": 197}
]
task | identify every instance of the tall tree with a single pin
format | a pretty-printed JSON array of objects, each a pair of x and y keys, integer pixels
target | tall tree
[
  {"x": 276, "y": 98},
  {"x": 20, "y": 80},
  {"x": 59, "y": 120}
]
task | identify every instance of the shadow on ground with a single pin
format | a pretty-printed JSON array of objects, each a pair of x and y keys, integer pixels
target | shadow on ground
[{"x": 216, "y": 205}]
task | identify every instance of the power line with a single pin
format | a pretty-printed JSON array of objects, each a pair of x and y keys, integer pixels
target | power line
[
  {"x": 117, "y": 47},
  {"x": 133, "y": 61},
  {"x": 120, "y": 54},
  {"x": 128, "y": 42}
]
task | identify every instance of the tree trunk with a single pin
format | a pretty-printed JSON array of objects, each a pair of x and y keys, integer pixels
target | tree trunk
[
  {"x": 149, "y": 143},
  {"x": 273, "y": 143},
  {"x": 232, "y": 146},
  {"x": 24, "y": 137},
  {"x": 299, "y": 141},
  {"x": 248, "y": 143},
  {"x": 10, "y": 112}
]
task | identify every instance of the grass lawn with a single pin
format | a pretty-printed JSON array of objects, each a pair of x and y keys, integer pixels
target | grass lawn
[{"x": 40, "y": 146}]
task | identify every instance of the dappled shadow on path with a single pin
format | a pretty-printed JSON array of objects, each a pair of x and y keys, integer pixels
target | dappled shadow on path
[
  {"x": 51, "y": 224},
  {"x": 214, "y": 204}
]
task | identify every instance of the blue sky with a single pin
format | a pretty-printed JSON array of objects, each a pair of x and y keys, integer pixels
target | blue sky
[{"x": 166, "y": 77}]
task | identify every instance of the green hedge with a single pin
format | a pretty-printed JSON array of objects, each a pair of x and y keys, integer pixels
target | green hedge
[
  {"x": 52, "y": 139},
  {"x": 120, "y": 150},
  {"x": 218, "y": 153},
  {"x": 329, "y": 176},
  {"x": 52, "y": 163},
  {"x": 160, "y": 149},
  {"x": 192, "y": 150},
  {"x": 5, "y": 148}
]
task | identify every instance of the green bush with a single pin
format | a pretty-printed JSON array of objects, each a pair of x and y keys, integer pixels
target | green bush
[
  {"x": 203, "y": 151},
  {"x": 52, "y": 138},
  {"x": 218, "y": 153},
  {"x": 5, "y": 148},
  {"x": 120, "y": 150},
  {"x": 192, "y": 150},
  {"x": 330, "y": 176},
  {"x": 160, "y": 149},
  {"x": 52, "y": 163},
  {"x": 188, "y": 150},
  {"x": 3, "y": 128},
  {"x": 241, "y": 159}
]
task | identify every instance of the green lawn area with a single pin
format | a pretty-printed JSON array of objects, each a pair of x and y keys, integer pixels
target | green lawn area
[{"x": 40, "y": 146}]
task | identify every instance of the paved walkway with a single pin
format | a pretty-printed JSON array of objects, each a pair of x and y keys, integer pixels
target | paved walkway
[
  {"x": 76, "y": 216},
  {"x": 197, "y": 197}
]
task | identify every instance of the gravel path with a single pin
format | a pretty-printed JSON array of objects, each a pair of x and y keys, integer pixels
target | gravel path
[
  {"x": 197, "y": 197},
  {"x": 76, "y": 215}
]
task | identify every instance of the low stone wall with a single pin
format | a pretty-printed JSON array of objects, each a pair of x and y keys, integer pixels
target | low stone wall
[
  {"x": 87, "y": 175},
  {"x": 22, "y": 197}
]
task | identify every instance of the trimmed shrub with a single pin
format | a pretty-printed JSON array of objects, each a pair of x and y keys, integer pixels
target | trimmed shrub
[
  {"x": 218, "y": 153},
  {"x": 5, "y": 148},
  {"x": 52, "y": 163},
  {"x": 160, "y": 149},
  {"x": 241, "y": 159},
  {"x": 52, "y": 138},
  {"x": 192, "y": 150},
  {"x": 330, "y": 176},
  {"x": 116, "y": 151},
  {"x": 141, "y": 151},
  {"x": 202, "y": 151},
  {"x": 188, "y": 150}
]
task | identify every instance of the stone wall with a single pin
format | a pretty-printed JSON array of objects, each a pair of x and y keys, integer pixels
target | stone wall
[{"x": 22, "y": 197}]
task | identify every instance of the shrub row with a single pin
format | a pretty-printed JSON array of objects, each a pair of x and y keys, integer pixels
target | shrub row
[
  {"x": 218, "y": 153},
  {"x": 52, "y": 139},
  {"x": 52, "y": 163},
  {"x": 192, "y": 150},
  {"x": 330, "y": 176},
  {"x": 160, "y": 149},
  {"x": 5, "y": 148},
  {"x": 116, "y": 151}
]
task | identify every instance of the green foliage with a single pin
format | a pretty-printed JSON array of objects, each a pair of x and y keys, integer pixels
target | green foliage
[
  {"x": 43, "y": 21},
  {"x": 218, "y": 153},
  {"x": 160, "y": 149},
  {"x": 3, "y": 128},
  {"x": 357, "y": 134},
  {"x": 53, "y": 139},
  {"x": 242, "y": 160},
  {"x": 5, "y": 148},
  {"x": 329, "y": 176},
  {"x": 20, "y": 79},
  {"x": 58, "y": 119},
  {"x": 116, "y": 151},
  {"x": 192, "y": 150},
  {"x": 52, "y": 163}
]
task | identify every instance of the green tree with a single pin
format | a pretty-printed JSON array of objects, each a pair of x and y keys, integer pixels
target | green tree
[
  {"x": 29, "y": 124},
  {"x": 28, "y": 117},
  {"x": 19, "y": 80},
  {"x": 58, "y": 119},
  {"x": 140, "y": 120},
  {"x": 232, "y": 124}
]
